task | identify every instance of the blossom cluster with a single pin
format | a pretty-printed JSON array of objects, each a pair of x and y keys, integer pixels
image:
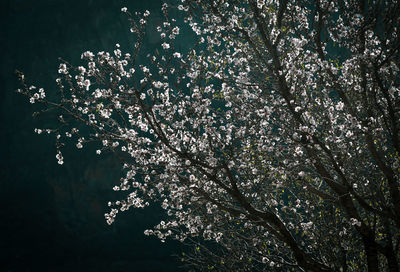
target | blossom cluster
[{"x": 260, "y": 138}]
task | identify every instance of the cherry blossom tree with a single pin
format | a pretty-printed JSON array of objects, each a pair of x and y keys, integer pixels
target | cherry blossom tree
[{"x": 272, "y": 144}]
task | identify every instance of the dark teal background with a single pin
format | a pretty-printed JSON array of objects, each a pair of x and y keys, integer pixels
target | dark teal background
[{"x": 52, "y": 217}]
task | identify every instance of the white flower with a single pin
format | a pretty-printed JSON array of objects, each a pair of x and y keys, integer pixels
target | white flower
[
  {"x": 175, "y": 30},
  {"x": 63, "y": 69},
  {"x": 349, "y": 134},
  {"x": 299, "y": 151},
  {"x": 42, "y": 93},
  {"x": 145, "y": 69},
  {"x": 340, "y": 106},
  {"x": 88, "y": 55},
  {"x": 354, "y": 221},
  {"x": 60, "y": 158},
  {"x": 86, "y": 83},
  {"x": 177, "y": 55},
  {"x": 124, "y": 9},
  {"x": 157, "y": 84},
  {"x": 82, "y": 69},
  {"x": 165, "y": 46},
  {"x": 306, "y": 226}
]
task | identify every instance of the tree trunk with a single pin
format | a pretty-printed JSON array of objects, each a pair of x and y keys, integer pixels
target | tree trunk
[
  {"x": 392, "y": 260},
  {"x": 371, "y": 252}
]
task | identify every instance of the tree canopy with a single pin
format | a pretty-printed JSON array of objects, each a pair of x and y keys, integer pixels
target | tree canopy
[{"x": 272, "y": 144}]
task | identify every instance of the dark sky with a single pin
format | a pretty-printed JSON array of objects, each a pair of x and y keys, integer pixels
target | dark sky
[{"x": 52, "y": 217}]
